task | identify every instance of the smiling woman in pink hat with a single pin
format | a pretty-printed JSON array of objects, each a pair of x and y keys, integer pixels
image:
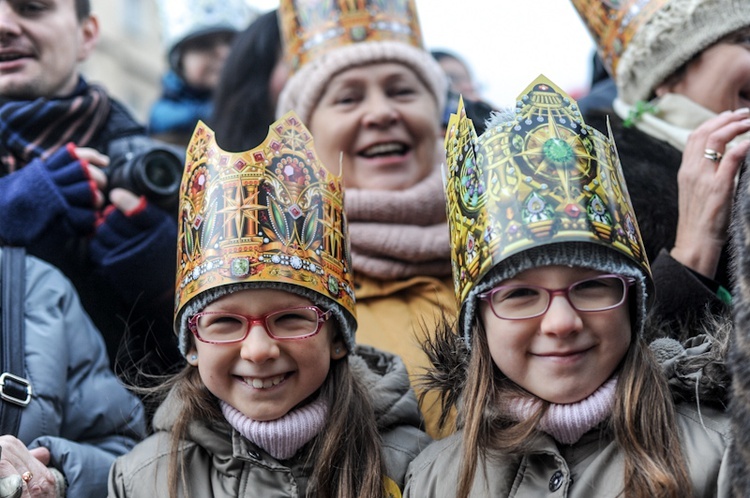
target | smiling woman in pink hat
[{"x": 373, "y": 97}]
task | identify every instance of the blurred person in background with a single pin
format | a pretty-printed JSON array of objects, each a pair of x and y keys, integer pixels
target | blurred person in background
[
  {"x": 253, "y": 76},
  {"x": 462, "y": 84},
  {"x": 682, "y": 69},
  {"x": 197, "y": 36}
]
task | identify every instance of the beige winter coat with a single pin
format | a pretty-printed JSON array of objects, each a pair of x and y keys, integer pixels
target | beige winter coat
[
  {"x": 223, "y": 464},
  {"x": 592, "y": 467}
]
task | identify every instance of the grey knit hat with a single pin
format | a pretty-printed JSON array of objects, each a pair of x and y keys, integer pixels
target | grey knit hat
[
  {"x": 673, "y": 35},
  {"x": 574, "y": 254}
]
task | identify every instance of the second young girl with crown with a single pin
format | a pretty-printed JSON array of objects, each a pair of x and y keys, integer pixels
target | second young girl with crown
[{"x": 557, "y": 392}]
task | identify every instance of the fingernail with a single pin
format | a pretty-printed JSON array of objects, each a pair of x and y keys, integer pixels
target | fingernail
[{"x": 743, "y": 110}]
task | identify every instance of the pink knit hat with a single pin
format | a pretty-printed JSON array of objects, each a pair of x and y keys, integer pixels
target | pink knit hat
[{"x": 383, "y": 32}]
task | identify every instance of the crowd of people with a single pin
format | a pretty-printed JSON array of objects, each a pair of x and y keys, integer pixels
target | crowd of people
[{"x": 326, "y": 267}]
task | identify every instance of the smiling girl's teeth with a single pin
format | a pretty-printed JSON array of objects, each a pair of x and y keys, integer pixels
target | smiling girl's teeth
[{"x": 264, "y": 383}]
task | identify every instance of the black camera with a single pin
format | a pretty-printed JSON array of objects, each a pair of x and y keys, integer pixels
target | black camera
[{"x": 150, "y": 169}]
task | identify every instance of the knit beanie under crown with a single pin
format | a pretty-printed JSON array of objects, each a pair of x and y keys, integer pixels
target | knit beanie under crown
[
  {"x": 304, "y": 88},
  {"x": 573, "y": 254},
  {"x": 674, "y": 35}
]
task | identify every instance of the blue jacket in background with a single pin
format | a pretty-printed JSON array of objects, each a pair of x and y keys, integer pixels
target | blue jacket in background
[{"x": 179, "y": 108}]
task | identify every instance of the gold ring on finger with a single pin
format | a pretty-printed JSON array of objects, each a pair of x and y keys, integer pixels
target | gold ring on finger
[{"x": 27, "y": 476}]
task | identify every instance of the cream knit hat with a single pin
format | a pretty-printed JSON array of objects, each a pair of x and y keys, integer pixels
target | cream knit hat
[
  {"x": 673, "y": 35},
  {"x": 303, "y": 90}
]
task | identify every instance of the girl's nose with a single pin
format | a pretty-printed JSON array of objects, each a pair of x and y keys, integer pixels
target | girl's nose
[
  {"x": 561, "y": 319},
  {"x": 258, "y": 346}
]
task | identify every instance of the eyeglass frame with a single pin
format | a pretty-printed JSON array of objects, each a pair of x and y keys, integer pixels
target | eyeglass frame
[
  {"x": 627, "y": 282},
  {"x": 323, "y": 317}
]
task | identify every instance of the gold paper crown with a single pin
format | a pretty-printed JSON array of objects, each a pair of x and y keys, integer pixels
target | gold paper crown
[
  {"x": 312, "y": 27},
  {"x": 270, "y": 214},
  {"x": 543, "y": 176},
  {"x": 612, "y": 24}
]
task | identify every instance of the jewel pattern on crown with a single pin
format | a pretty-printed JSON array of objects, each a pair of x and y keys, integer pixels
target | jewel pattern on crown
[
  {"x": 541, "y": 176},
  {"x": 270, "y": 214},
  {"x": 311, "y": 28},
  {"x": 612, "y": 24}
]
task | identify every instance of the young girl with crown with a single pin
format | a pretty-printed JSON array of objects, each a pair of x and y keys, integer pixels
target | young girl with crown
[
  {"x": 557, "y": 392},
  {"x": 275, "y": 399}
]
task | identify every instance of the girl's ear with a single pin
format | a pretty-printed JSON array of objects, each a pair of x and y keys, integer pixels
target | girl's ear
[
  {"x": 338, "y": 350},
  {"x": 192, "y": 357}
]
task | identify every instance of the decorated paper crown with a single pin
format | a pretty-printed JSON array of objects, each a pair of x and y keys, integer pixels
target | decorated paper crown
[
  {"x": 312, "y": 27},
  {"x": 541, "y": 177},
  {"x": 273, "y": 214},
  {"x": 612, "y": 24},
  {"x": 182, "y": 19}
]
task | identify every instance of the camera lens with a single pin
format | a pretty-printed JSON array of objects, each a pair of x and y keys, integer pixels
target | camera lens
[
  {"x": 155, "y": 173},
  {"x": 161, "y": 172}
]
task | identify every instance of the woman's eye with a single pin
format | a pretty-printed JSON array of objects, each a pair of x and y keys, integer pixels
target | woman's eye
[
  {"x": 402, "y": 91},
  {"x": 346, "y": 98}
]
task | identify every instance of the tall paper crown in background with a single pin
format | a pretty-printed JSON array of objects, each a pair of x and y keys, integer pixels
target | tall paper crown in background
[
  {"x": 539, "y": 178},
  {"x": 612, "y": 24},
  {"x": 184, "y": 19},
  {"x": 311, "y": 28},
  {"x": 273, "y": 214},
  {"x": 643, "y": 42}
]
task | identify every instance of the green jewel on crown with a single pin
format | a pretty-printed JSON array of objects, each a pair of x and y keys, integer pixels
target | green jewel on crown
[{"x": 558, "y": 152}]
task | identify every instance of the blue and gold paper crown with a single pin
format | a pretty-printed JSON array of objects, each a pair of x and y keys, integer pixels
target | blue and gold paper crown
[
  {"x": 541, "y": 177},
  {"x": 270, "y": 214},
  {"x": 313, "y": 27}
]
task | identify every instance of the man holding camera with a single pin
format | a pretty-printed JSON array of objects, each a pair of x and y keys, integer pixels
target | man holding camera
[{"x": 58, "y": 137}]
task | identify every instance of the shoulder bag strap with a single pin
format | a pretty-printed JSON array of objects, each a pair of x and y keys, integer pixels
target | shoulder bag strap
[{"x": 15, "y": 389}]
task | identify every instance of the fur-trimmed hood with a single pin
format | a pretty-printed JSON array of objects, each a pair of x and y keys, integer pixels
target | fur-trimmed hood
[{"x": 739, "y": 354}]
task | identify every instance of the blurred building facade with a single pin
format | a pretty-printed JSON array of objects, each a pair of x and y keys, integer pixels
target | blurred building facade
[{"x": 129, "y": 59}]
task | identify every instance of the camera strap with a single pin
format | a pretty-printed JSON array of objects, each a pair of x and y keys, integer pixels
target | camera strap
[{"x": 15, "y": 389}]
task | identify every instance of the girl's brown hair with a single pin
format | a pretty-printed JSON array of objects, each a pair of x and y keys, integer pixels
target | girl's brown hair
[
  {"x": 345, "y": 457},
  {"x": 643, "y": 416}
]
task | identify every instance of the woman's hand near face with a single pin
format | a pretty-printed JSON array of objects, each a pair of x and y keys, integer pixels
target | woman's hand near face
[
  {"x": 17, "y": 459},
  {"x": 706, "y": 189}
]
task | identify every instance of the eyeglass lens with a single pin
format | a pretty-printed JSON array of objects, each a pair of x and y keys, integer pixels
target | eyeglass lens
[
  {"x": 283, "y": 324},
  {"x": 525, "y": 301}
]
